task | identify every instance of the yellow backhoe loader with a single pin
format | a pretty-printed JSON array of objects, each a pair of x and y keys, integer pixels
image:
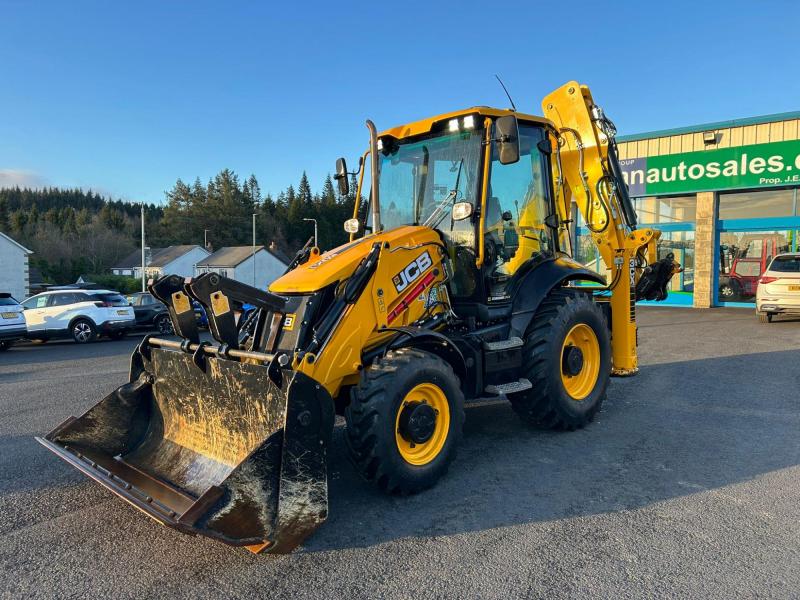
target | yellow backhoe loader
[{"x": 457, "y": 283}]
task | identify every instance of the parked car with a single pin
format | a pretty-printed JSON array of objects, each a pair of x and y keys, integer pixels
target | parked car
[
  {"x": 200, "y": 314},
  {"x": 79, "y": 314},
  {"x": 779, "y": 288},
  {"x": 150, "y": 312},
  {"x": 12, "y": 323}
]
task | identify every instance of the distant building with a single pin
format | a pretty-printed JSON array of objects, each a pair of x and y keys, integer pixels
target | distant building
[
  {"x": 14, "y": 275},
  {"x": 130, "y": 265},
  {"x": 173, "y": 260},
  {"x": 242, "y": 264}
]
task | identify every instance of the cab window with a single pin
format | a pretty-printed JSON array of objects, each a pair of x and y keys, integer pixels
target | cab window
[{"x": 517, "y": 204}]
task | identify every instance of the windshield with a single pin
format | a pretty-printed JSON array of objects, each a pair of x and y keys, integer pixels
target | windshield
[{"x": 420, "y": 180}]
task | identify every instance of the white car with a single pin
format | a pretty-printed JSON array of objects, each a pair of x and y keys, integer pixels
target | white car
[
  {"x": 79, "y": 314},
  {"x": 778, "y": 290},
  {"x": 12, "y": 323}
]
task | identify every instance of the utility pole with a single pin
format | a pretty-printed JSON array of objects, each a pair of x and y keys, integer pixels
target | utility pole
[
  {"x": 205, "y": 238},
  {"x": 144, "y": 278},
  {"x": 254, "y": 249},
  {"x": 316, "y": 243}
]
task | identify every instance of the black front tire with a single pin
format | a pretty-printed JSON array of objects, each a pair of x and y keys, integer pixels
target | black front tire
[
  {"x": 372, "y": 412},
  {"x": 548, "y": 404},
  {"x": 83, "y": 331}
]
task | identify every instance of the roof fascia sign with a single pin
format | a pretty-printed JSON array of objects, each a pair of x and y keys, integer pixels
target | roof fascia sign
[{"x": 754, "y": 166}]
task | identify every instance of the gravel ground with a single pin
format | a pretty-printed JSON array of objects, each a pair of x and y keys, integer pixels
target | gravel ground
[{"x": 686, "y": 485}]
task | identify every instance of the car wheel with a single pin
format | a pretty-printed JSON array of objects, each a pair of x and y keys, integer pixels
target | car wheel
[
  {"x": 83, "y": 331},
  {"x": 5, "y": 346},
  {"x": 726, "y": 292},
  {"x": 164, "y": 325}
]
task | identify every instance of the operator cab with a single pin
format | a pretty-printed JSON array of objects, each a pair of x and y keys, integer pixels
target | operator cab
[{"x": 481, "y": 178}]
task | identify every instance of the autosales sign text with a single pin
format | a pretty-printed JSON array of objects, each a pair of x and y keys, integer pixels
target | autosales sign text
[{"x": 759, "y": 165}]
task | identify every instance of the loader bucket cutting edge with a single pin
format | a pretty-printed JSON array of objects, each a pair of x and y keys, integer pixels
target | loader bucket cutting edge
[{"x": 221, "y": 451}]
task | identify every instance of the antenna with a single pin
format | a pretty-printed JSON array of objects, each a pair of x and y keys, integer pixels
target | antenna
[{"x": 506, "y": 91}]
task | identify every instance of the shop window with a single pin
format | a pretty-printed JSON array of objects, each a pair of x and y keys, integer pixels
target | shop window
[
  {"x": 681, "y": 245},
  {"x": 744, "y": 256},
  {"x": 758, "y": 204},
  {"x": 668, "y": 209}
]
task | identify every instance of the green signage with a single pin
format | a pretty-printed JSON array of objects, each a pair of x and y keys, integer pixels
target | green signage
[{"x": 759, "y": 165}]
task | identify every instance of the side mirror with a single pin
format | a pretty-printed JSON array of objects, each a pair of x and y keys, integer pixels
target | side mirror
[
  {"x": 341, "y": 177},
  {"x": 507, "y": 139},
  {"x": 461, "y": 210},
  {"x": 552, "y": 221},
  {"x": 351, "y": 226}
]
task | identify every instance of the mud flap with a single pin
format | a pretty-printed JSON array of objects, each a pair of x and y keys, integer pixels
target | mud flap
[{"x": 225, "y": 451}]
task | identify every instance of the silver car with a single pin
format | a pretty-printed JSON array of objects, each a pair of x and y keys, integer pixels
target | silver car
[
  {"x": 778, "y": 290},
  {"x": 12, "y": 321}
]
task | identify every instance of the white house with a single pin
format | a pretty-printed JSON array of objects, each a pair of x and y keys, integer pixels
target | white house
[
  {"x": 14, "y": 277},
  {"x": 173, "y": 260},
  {"x": 131, "y": 264},
  {"x": 259, "y": 268}
]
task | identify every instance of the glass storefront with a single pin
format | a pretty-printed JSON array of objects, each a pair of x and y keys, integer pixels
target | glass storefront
[
  {"x": 660, "y": 210},
  {"x": 751, "y": 231},
  {"x": 744, "y": 256},
  {"x": 674, "y": 216}
]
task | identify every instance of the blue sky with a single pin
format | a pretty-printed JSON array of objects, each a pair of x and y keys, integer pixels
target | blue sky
[{"x": 125, "y": 98}]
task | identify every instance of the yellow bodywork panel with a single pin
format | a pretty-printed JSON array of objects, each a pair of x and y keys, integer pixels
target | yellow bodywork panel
[
  {"x": 583, "y": 159},
  {"x": 408, "y": 281}
]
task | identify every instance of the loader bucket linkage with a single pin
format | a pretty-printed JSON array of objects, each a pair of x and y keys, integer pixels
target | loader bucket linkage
[{"x": 210, "y": 445}]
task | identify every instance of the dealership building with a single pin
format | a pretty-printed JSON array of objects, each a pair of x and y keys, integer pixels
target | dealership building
[{"x": 725, "y": 197}]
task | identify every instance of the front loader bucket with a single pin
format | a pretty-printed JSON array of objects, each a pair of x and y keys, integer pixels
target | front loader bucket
[{"x": 210, "y": 446}]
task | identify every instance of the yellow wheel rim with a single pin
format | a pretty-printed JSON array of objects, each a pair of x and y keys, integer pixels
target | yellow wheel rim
[
  {"x": 422, "y": 453},
  {"x": 581, "y": 383}
]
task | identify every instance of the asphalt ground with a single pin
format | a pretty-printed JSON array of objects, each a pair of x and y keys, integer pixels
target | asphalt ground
[{"x": 686, "y": 485}]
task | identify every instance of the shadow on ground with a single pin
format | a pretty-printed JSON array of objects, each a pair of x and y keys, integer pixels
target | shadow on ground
[{"x": 675, "y": 429}]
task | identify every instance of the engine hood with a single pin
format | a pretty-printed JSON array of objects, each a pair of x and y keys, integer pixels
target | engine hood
[{"x": 338, "y": 264}]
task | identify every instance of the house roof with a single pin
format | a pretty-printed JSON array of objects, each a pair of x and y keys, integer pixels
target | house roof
[
  {"x": 134, "y": 259},
  {"x": 15, "y": 242},
  {"x": 229, "y": 256},
  {"x": 279, "y": 255},
  {"x": 167, "y": 255}
]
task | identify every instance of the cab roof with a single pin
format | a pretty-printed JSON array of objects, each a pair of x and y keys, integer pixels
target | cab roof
[{"x": 426, "y": 125}]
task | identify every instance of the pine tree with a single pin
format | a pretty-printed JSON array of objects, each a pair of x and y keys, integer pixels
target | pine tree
[{"x": 3, "y": 214}]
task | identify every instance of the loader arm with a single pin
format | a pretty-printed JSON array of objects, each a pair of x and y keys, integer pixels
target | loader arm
[{"x": 586, "y": 169}]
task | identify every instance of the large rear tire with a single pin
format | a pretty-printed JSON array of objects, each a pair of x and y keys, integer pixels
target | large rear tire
[
  {"x": 404, "y": 421},
  {"x": 567, "y": 358}
]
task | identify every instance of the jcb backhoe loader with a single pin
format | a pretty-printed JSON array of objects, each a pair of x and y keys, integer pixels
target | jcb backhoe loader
[{"x": 458, "y": 283}]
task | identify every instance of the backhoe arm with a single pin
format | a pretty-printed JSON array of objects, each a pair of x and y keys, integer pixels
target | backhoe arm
[{"x": 586, "y": 169}]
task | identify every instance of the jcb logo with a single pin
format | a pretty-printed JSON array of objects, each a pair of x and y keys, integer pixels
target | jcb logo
[
  {"x": 288, "y": 322},
  {"x": 408, "y": 275}
]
